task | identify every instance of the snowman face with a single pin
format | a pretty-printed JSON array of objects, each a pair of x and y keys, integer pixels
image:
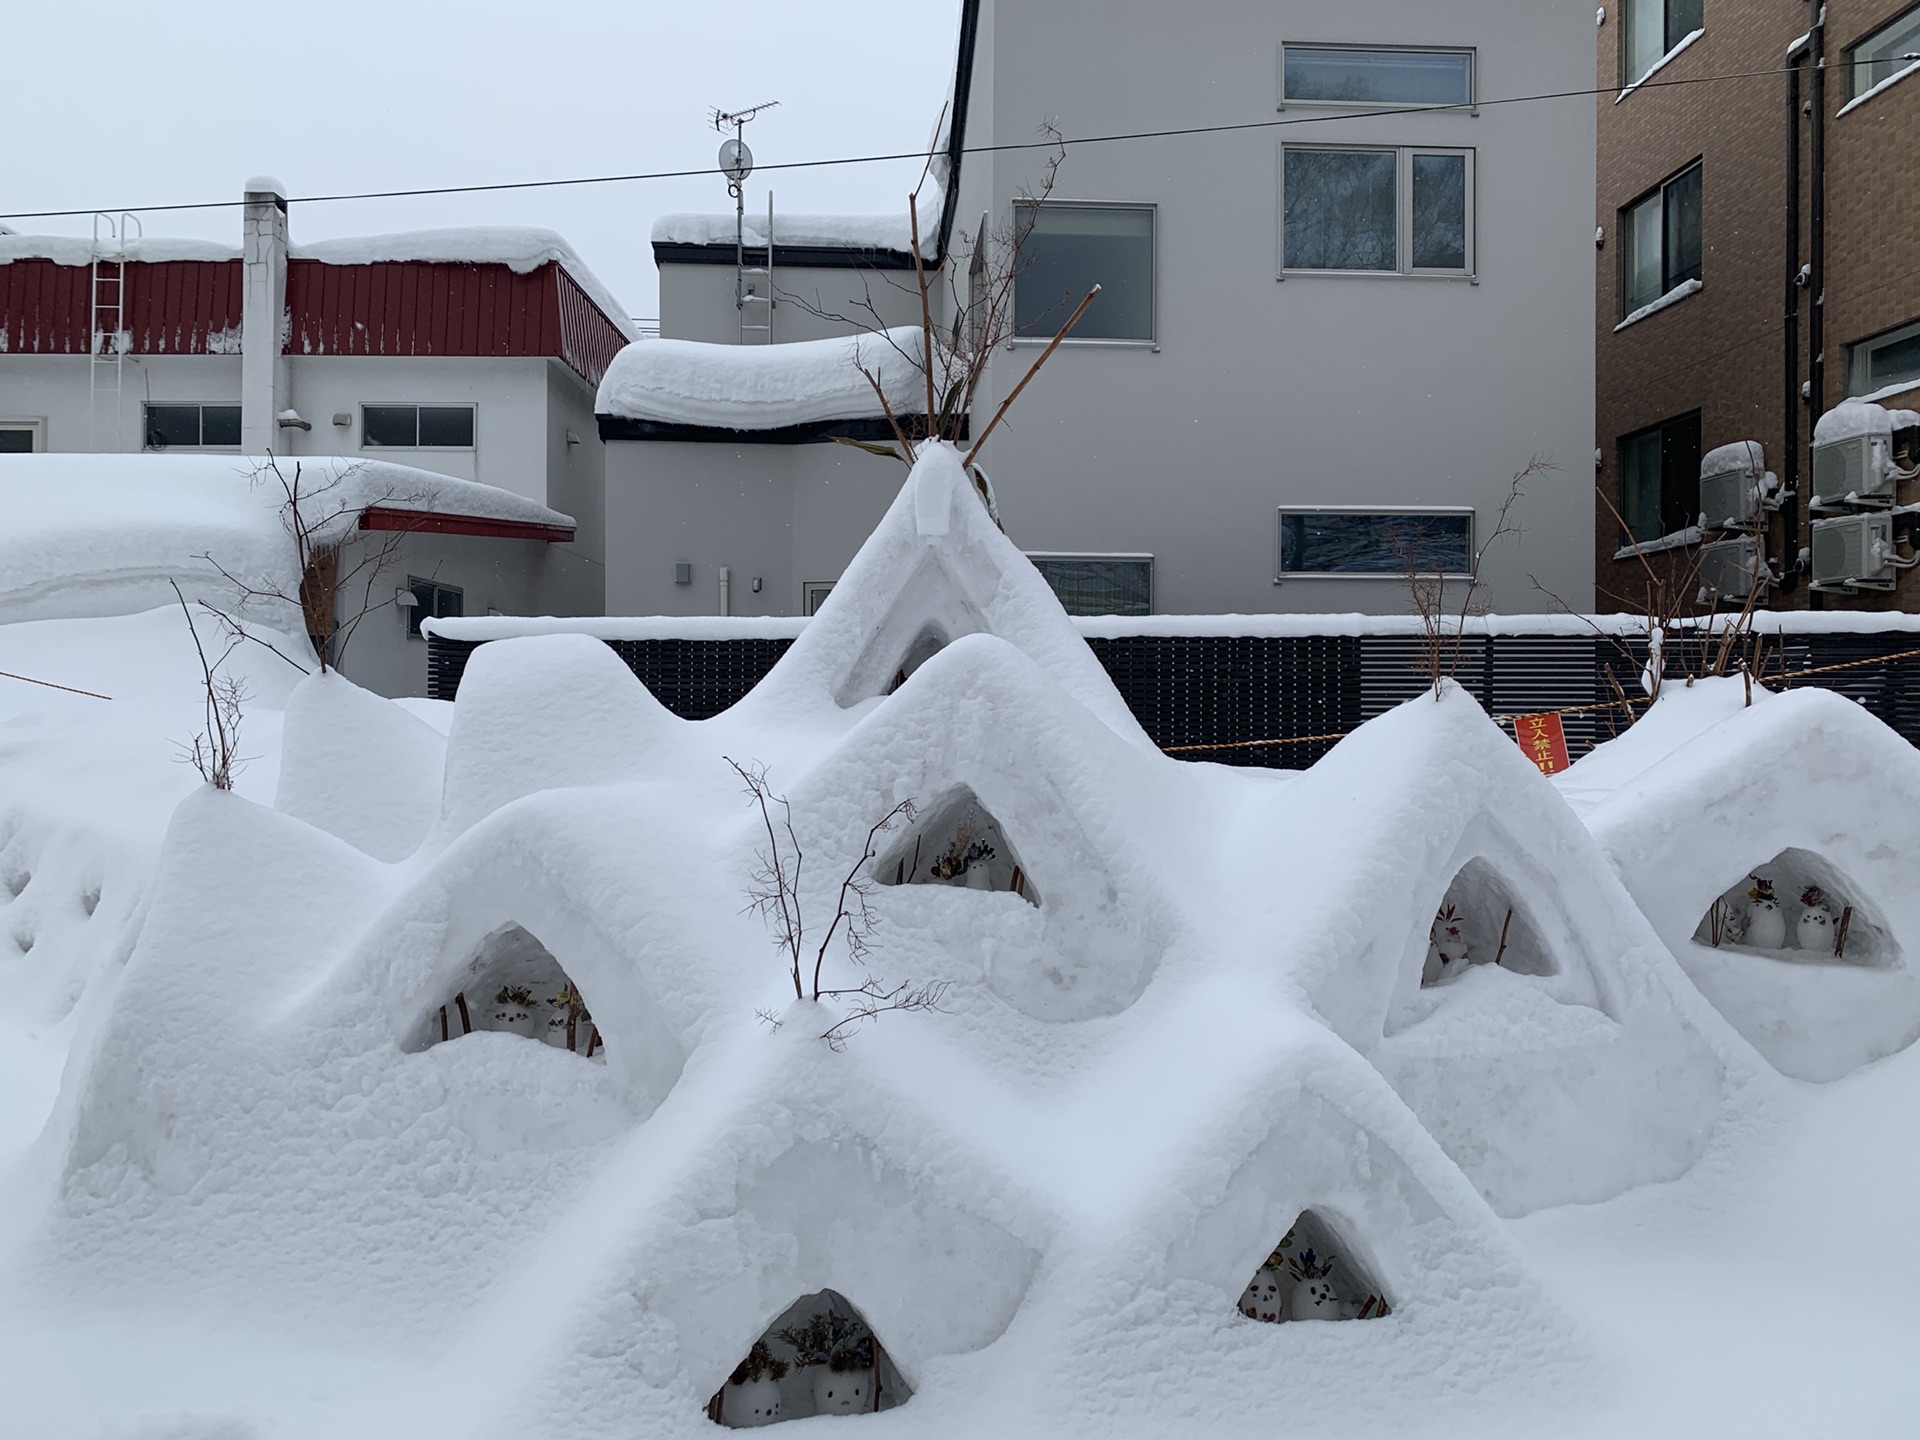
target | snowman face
[
  {"x": 1263, "y": 1298},
  {"x": 1313, "y": 1300},
  {"x": 842, "y": 1393}
]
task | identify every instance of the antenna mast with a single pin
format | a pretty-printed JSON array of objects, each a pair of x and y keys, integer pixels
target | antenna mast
[{"x": 736, "y": 163}]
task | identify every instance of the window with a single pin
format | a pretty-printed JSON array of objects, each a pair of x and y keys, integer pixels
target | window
[
  {"x": 1884, "y": 362},
  {"x": 431, "y": 598},
  {"x": 1069, "y": 249},
  {"x": 1660, "y": 241},
  {"x": 1338, "y": 540},
  {"x": 417, "y": 427},
  {"x": 1660, "y": 478},
  {"x": 1099, "y": 584},
  {"x": 813, "y": 594},
  {"x": 1397, "y": 211},
  {"x": 1884, "y": 54},
  {"x": 1652, "y": 28},
  {"x": 21, "y": 437},
  {"x": 1350, "y": 76},
  {"x": 193, "y": 426}
]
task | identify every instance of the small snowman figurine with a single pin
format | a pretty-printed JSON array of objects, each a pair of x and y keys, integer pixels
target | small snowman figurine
[
  {"x": 1313, "y": 1297},
  {"x": 513, "y": 1012},
  {"x": 1766, "y": 927},
  {"x": 1265, "y": 1297},
  {"x": 1446, "y": 949},
  {"x": 752, "y": 1396},
  {"x": 1815, "y": 931}
]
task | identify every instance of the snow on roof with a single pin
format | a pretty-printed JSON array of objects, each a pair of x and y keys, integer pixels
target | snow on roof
[
  {"x": 88, "y": 535},
  {"x": 763, "y": 387},
  {"x": 831, "y": 232},
  {"x": 78, "y": 249},
  {"x": 1856, "y": 417}
]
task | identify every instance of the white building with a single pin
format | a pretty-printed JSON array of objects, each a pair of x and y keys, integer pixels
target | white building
[
  {"x": 471, "y": 353},
  {"x": 1339, "y": 311}
]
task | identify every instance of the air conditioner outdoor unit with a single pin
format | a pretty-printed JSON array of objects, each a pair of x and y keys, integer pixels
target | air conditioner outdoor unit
[
  {"x": 1732, "y": 569},
  {"x": 1861, "y": 451},
  {"x": 1733, "y": 485},
  {"x": 1852, "y": 552}
]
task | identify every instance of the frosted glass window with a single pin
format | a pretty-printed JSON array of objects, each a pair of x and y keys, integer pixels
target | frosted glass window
[
  {"x": 1099, "y": 584},
  {"x": 1377, "y": 77},
  {"x": 1341, "y": 210},
  {"x": 1072, "y": 248},
  {"x": 1354, "y": 542},
  {"x": 1884, "y": 54}
]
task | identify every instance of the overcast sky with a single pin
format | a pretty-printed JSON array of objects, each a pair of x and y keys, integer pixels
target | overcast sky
[{"x": 132, "y": 102}]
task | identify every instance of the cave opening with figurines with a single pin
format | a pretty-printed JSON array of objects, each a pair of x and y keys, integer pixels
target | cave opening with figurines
[
  {"x": 513, "y": 983},
  {"x": 956, "y": 841},
  {"x": 1797, "y": 907},
  {"x": 1312, "y": 1275},
  {"x": 1479, "y": 923},
  {"x": 819, "y": 1357}
]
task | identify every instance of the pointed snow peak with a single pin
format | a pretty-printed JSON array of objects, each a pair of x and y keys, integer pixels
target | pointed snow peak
[{"x": 937, "y": 472}]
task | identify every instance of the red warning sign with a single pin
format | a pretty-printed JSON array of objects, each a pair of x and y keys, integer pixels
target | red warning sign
[{"x": 1544, "y": 740}]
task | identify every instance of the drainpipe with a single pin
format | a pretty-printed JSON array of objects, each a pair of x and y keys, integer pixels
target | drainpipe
[
  {"x": 264, "y": 389},
  {"x": 726, "y": 591},
  {"x": 1817, "y": 235},
  {"x": 1790, "y": 357}
]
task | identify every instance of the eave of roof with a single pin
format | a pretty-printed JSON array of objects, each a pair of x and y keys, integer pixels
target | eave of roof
[{"x": 419, "y": 522}]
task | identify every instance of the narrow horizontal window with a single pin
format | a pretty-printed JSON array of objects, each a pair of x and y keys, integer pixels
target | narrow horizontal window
[
  {"x": 1387, "y": 542},
  {"x": 192, "y": 426},
  {"x": 1884, "y": 54},
  {"x": 1355, "y": 76},
  {"x": 18, "y": 439},
  {"x": 1099, "y": 584},
  {"x": 417, "y": 427},
  {"x": 1070, "y": 248}
]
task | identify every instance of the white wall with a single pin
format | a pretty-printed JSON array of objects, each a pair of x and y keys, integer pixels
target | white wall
[{"x": 1320, "y": 389}]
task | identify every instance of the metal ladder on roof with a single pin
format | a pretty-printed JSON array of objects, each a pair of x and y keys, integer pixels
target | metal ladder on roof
[
  {"x": 753, "y": 284},
  {"x": 108, "y": 340}
]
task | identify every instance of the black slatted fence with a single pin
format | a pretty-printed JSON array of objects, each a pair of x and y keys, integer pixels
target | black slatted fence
[{"x": 1206, "y": 690}]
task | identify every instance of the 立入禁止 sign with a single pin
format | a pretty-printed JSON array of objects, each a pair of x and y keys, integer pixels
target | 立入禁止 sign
[{"x": 1544, "y": 740}]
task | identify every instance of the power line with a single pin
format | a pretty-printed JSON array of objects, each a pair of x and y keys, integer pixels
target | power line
[{"x": 920, "y": 155}]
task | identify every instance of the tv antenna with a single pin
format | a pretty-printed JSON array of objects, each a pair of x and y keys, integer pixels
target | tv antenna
[{"x": 736, "y": 163}]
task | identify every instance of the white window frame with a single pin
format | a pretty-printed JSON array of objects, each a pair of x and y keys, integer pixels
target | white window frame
[
  {"x": 36, "y": 427},
  {"x": 200, "y": 405},
  {"x": 416, "y": 406},
  {"x": 1128, "y": 557},
  {"x": 1131, "y": 342},
  {"x": 1859, "y": 355},
  {"x": 813, "y": 594},
  {"x": 1402, "y": 214},
  {"x": 1471, "y": 106},
  {"x": 1282, "y": 576},
  {"x": 1858, "y": 93}
]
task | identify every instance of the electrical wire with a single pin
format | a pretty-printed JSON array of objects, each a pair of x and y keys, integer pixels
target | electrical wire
[{"x": 920, "y": 155}]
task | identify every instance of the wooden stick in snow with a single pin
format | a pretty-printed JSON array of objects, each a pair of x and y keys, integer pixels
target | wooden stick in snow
[{"x": 1503, "y": 936}]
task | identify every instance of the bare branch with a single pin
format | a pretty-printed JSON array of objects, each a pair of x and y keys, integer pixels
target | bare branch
[
  {"x": 854, "y": 887},
  {"x": 875, "y": 1000},
  {"x": 215, "y": 751}
]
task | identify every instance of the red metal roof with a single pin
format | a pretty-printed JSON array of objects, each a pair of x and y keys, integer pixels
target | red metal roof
[
  {"x": 418, "y": 522},
  {"x": 391, "y": 308}
]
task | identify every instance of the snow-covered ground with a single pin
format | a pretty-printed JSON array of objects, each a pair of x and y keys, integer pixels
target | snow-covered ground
[{"x": 247, "y": 1190}]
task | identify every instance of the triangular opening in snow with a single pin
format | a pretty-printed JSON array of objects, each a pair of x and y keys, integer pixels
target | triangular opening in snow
[
  {"x": 929, "y": 612},
  {"x": 1797, "y": 907},
  {"x": 820, "y": 1357},
  {"x": 514, "y": 983},
  {"x": 1480, "y": 923},
  {"x": 956, "y": 841},
  {"x": 1312, "y": 1275}
]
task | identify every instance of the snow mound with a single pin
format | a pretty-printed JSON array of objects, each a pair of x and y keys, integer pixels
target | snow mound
[
  {"x": 764, "y": 387},
  {"x": 1806, "y": 789}
]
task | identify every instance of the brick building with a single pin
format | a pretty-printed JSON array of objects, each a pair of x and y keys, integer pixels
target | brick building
[{"x": 1759, "y": 264}]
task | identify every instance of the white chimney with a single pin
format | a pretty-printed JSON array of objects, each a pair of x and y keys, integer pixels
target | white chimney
[{"x": 264, "y": 391}]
